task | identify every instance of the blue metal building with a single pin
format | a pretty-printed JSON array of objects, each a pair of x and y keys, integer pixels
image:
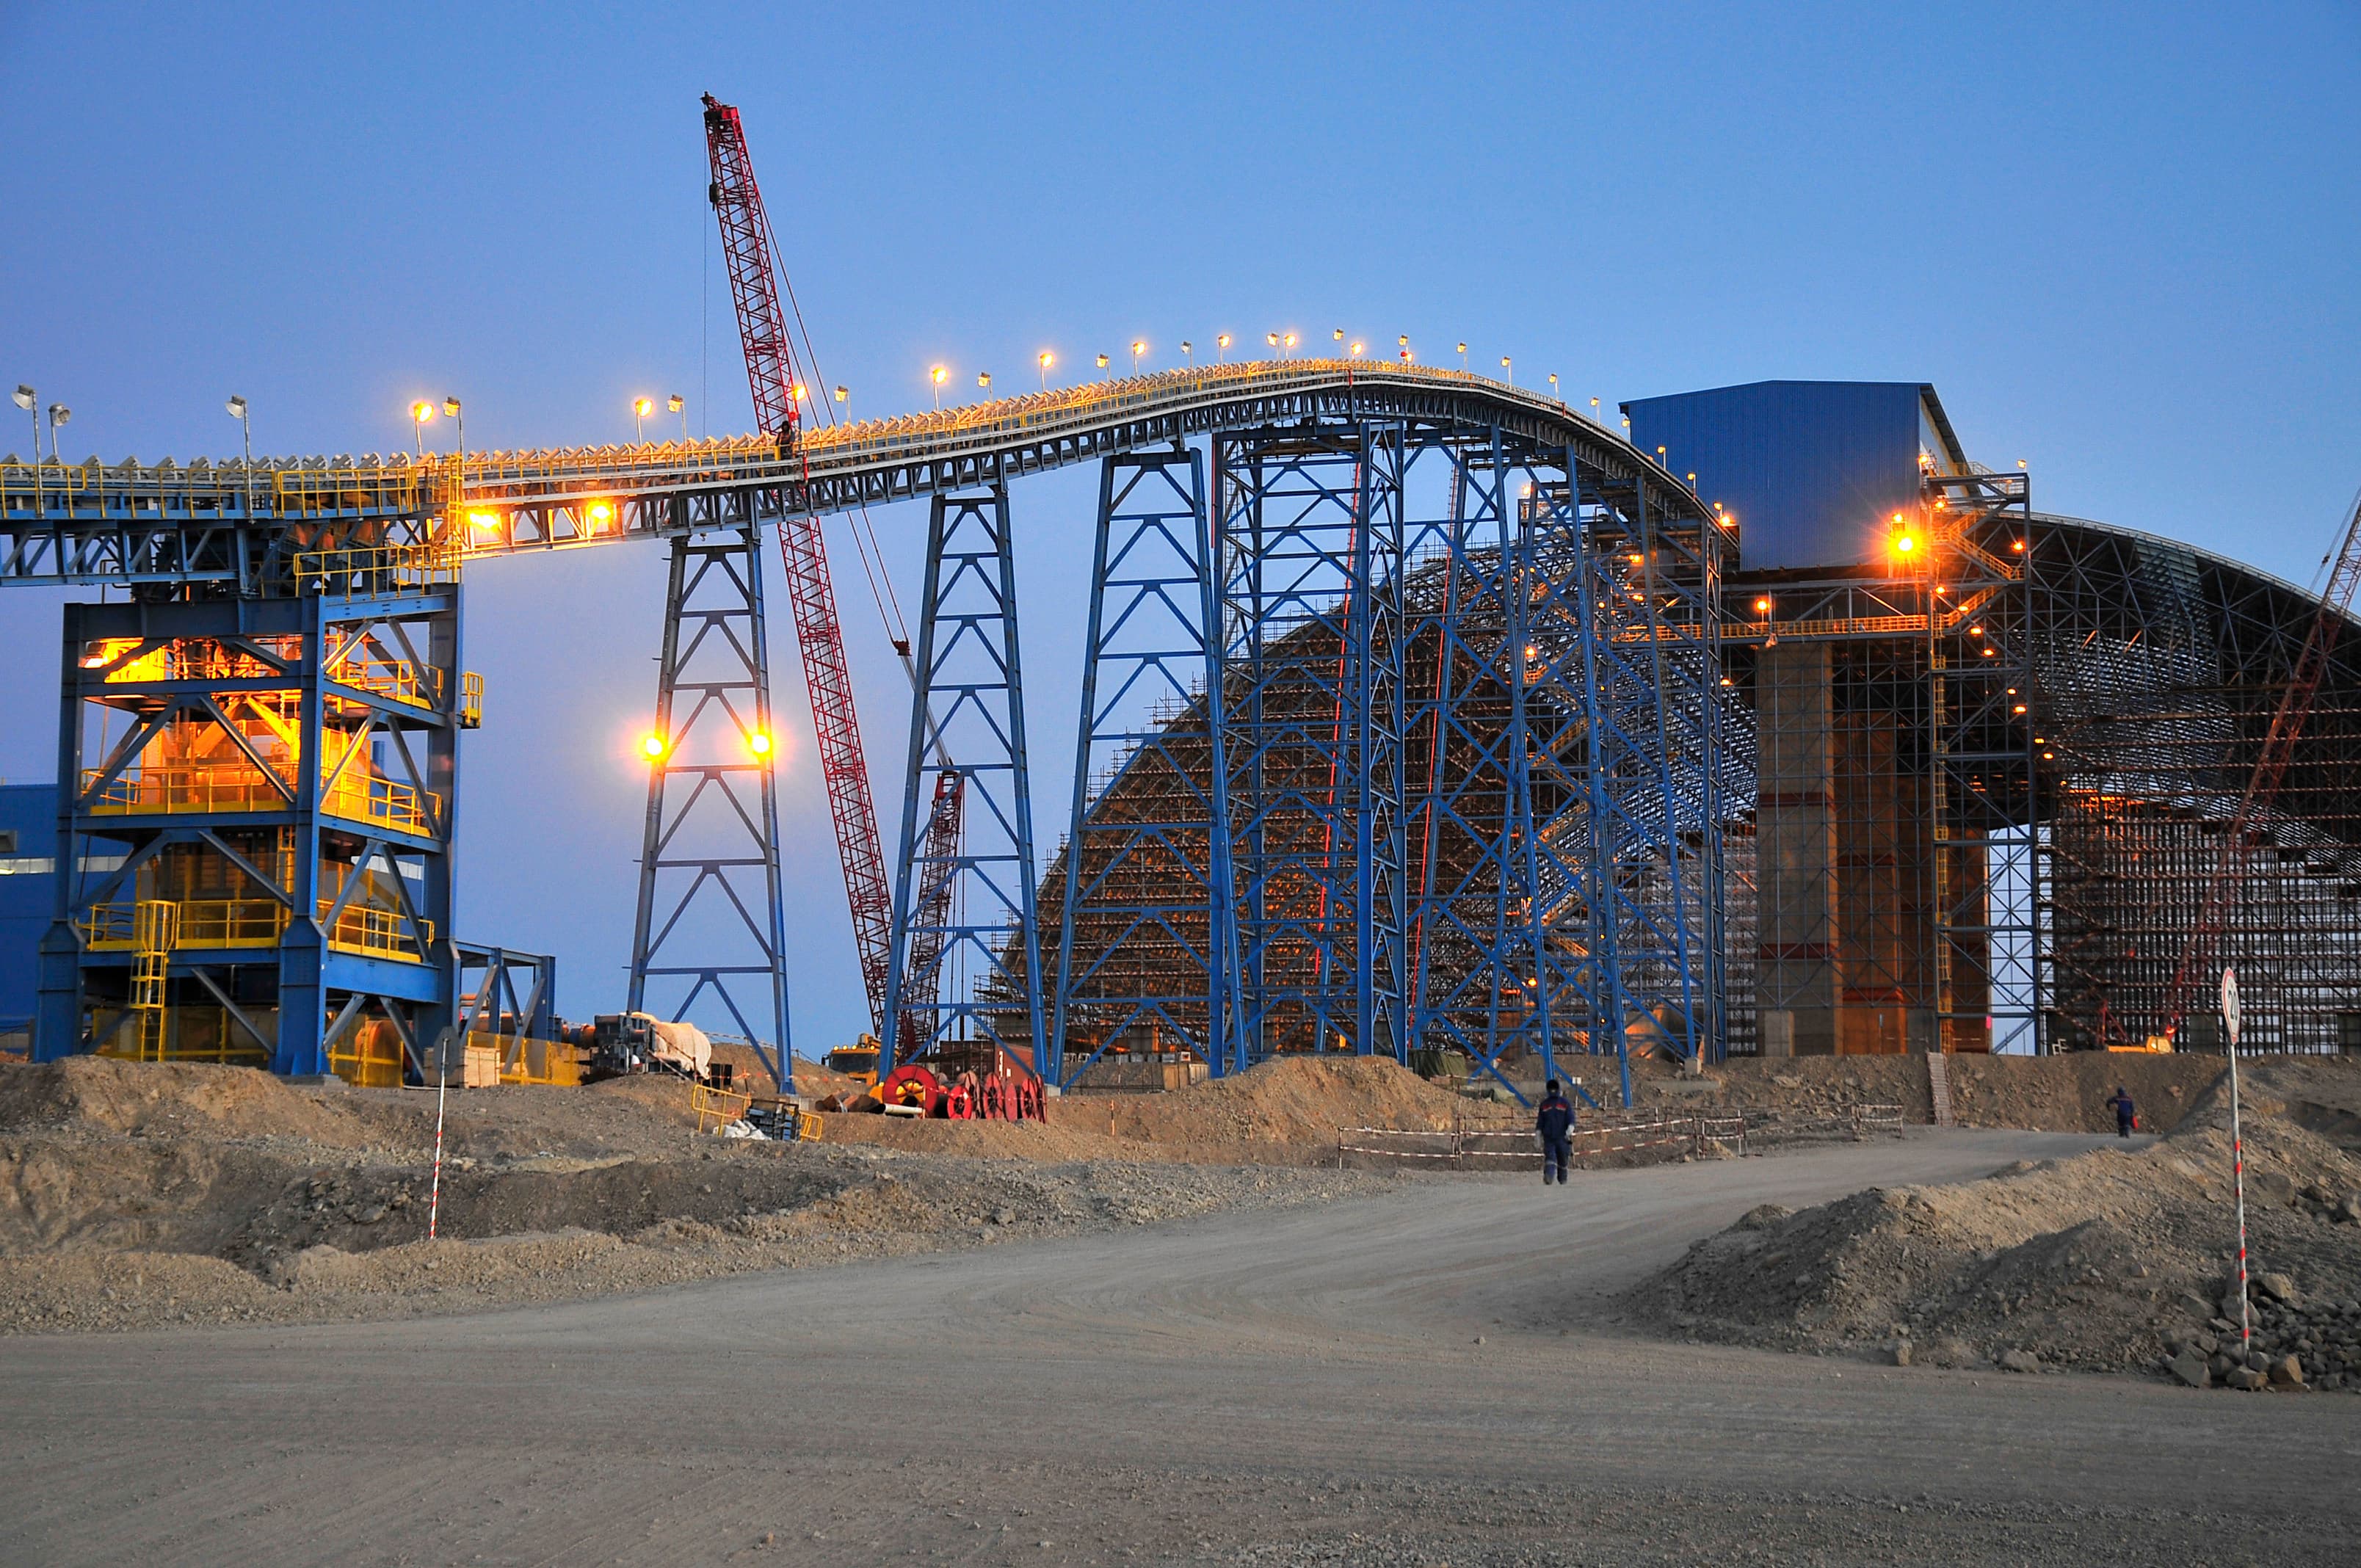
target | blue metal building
[{"x": 1814, "y": 470}]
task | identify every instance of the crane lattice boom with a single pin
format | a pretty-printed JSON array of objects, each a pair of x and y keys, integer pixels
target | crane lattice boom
[{"x": 772, "y": 377}]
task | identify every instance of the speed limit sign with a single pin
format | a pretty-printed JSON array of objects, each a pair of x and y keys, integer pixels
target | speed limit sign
[{"x": 2230, "y": 1003}]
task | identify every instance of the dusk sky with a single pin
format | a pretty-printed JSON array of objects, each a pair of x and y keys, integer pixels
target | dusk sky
[{"x": 2123, "y": 242}]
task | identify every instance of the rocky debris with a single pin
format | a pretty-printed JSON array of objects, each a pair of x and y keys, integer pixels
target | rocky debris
[
  {"x": 257, "y": 1201},
  {"x": 2112, "y": 1261}
]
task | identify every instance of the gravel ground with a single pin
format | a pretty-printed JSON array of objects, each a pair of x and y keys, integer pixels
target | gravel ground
[{"x": 1428, "y": 1375}]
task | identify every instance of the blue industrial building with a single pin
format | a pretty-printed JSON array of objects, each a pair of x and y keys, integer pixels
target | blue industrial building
[{"x": 1814, "y": 470}]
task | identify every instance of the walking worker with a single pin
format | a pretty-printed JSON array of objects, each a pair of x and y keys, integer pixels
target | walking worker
[
  {"x": 1555, "y": 1121},
  {"x": 2125, "y": 1119}
]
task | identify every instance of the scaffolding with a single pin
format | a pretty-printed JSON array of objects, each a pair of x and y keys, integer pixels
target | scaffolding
[{"x": 2161, "y": 667}]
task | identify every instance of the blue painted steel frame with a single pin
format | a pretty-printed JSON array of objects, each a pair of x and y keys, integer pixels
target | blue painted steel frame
[
  {"x": 714, "y": 834},
  {"x": 211, "y": 663},
  {"x": 967, "y": 716},
  {"x": 1156, "y": 886},
  {"x": 1312, "y": 557}
]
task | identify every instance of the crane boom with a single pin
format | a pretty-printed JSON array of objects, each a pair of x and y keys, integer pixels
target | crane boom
[
  {"x": 2198, "y": 954},
  {"x": 771, "y": 378}
]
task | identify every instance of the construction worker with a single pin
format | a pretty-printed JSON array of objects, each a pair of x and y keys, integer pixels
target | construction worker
[
  {"x": 1553, "y": 1120},
  {"x": 2125, "y": 1120}
]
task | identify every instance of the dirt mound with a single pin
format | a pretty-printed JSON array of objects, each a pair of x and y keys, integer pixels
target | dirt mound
[
  {"x": 99, "y": 1094},
  {"x": 2112, "y": 1260},
  {"x": 134, "y": 1193},
  {"x": 1290, "y": 1100}
]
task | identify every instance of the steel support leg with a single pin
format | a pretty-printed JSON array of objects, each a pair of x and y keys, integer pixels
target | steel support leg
[
  {"x": 1146, "y": 942},
  {"x": 709, "y": 862},
  {"x": 967, "y": 716}
]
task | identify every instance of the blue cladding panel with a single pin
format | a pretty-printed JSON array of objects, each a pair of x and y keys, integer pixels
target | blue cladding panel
[
  {"x": 28, "y": 846},
  {"x": 1812, "y": 468}
]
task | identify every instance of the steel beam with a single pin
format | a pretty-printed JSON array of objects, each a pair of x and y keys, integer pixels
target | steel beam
[
  {"x": 966, "y": 718},
  {"x": 710, "y": 858}
]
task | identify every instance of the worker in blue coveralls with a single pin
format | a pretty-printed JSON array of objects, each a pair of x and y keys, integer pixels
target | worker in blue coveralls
[
  {"x": 2124, "y": 1118},
  {"x": 1553, "y": 1120}
]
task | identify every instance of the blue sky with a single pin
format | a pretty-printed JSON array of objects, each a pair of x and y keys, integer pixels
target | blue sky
[{"x": 2124, "y": 242}]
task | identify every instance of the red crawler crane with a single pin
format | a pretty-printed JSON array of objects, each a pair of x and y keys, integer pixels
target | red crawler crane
[
  {"x": 2199, "y": 955},
  {"x": 771, "y": 376}
]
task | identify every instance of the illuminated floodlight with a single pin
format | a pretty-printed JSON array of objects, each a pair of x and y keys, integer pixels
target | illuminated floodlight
[
  {"x": 672, "y": 404},
  {"x": 651, "y": 746},
  {"x": 421, "y": 412},
  {"x": 490, "y": 521},
  {"x": 984, "y": 378},
  {"x": 758, "y": 743},
  {"x": 843, "y": 394}
]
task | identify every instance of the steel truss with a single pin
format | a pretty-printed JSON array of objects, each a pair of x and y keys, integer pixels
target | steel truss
[
  {"x": 710, "y": 858},
  {"x": 1895, "y": 878},
  {"x": 2160, "y": 668},
  {"x": 1146, "y": 889},
  {"x": 981, "y": 936},
  {"x": 257, "y": 863},
  {"x": 1399, "y": 701},
  {"x": 1312, "y": 563}
]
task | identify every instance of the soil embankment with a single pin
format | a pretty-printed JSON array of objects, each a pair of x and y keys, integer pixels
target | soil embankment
[
  {"x": 2113, "y": 1260},
  {"x": 132, "y": 1194},
  {"x": 2058, "y": 1094}
]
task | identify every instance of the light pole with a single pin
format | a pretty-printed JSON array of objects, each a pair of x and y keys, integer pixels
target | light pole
[
  {"x": 1222, "y": 348},
  {"x": 844, "y": 394},
  {"x": 1271, "y": 338},
  {"x": 1102, "y": 365},
  {"x": 1044, "y": 359},
  {"x": 30, "y": 402},
  {"x": 679, "y": 405},
  {"x": 1137, "y": 348},
  {"x": 58, "y": 414},
  {"x": 420, "y": 412},
  {"x": 1594, "y": 411},
  {"x": 1462, "y": 358},
  {"x": 1553, "y": 379},
  {"x": 1340, "y": 334},
  {"x": 1189, "y": 352},
  {"x": 1509, "y": 369},
  {"x": 983, "y": 380},
  {"x": 938, "y": 375},
  {"x": 1289, "y": 340},
  {"x": 237, "y": 406},
  {"x": 639, "y": 407}
]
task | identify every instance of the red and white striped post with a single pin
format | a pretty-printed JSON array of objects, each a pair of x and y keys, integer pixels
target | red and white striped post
[{"x": 2238, "y": 1156}]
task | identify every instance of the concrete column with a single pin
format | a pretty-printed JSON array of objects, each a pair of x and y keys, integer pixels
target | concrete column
[{"x": 1799, "y": 975}]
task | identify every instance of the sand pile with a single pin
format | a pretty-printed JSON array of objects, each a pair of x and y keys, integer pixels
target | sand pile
[{"x": 2112, "y": 1260}]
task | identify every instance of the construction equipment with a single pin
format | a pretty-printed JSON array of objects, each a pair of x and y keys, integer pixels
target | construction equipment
[
  {"x": 932, "y": 927},
  {"x": 622, "y": 1043},
  {"x": 2200, "y": 954},
  {"x": 773, "y": 377}
]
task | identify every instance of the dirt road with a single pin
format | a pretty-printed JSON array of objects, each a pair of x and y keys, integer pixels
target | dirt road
[{"x": 1424, "y": 1378}]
